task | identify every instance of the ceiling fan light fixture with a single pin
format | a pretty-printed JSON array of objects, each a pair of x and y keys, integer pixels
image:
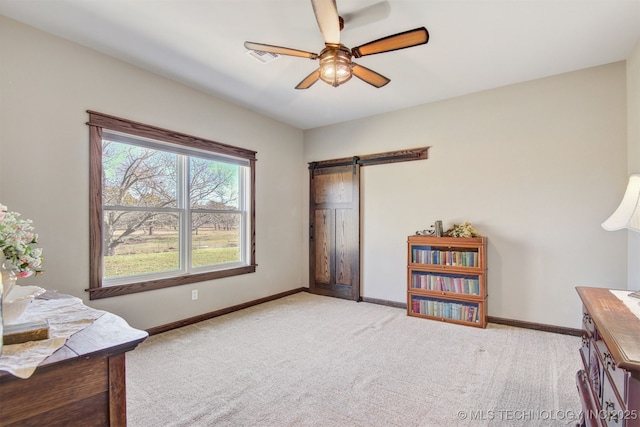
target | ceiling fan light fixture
[{"x": 335, "y": 65}]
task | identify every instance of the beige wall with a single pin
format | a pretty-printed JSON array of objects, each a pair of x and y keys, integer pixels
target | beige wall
[
  {"x": 47, "y": 84},
  {"x": 531, "y": 165},
  {"x": 633, "y": 135}
]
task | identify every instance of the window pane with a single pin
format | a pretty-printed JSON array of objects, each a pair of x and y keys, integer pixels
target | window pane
[
  {"x": 137, "y": 176},
  {"x": 213, "y": 185},
  {"x": 140, "y": 243},
  {"x": 215, "y": 238}
]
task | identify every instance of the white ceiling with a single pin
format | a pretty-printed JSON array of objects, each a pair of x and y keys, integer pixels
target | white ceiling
[{"x": 474, "y": 45}]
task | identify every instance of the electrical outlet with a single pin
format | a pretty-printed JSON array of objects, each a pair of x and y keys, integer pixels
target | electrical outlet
[{"x": 194, "y": 294}]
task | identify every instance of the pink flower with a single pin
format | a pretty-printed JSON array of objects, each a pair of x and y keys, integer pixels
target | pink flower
[{"x": 24, "y": 273}]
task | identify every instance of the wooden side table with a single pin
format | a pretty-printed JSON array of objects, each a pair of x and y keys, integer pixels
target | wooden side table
[{"x": 82, "y": 384}]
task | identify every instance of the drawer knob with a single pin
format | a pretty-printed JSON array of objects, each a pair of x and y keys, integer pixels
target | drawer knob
[
  {"x": 608, "y": 361},
  {"x": 610, "y": 408}
]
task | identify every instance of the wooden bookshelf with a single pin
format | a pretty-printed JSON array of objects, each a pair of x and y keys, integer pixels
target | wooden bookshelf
[{"x": 447, "y": 279}]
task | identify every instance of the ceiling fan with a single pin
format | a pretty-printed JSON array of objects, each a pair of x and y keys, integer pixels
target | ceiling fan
[{"x": 336, "y": 66}]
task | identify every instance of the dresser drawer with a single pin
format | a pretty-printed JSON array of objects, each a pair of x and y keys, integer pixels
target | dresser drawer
[
  {"x": 618, "y": 376},
  {"x": 613, "y": 412}
]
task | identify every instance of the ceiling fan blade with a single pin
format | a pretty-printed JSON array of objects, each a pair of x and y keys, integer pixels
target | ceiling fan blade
[
  {"x": 326, "y": 13},
  {"x": 367, "y": 15},
  {"x": 369, "y": 76},
  {"x": 409, "y": 38},
  {"x": 308, "y": 81},
  {"x": 279, "y": 50}
]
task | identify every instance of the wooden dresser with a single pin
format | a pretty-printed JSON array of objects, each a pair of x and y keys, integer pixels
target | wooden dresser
[
  {"x": 609, "y": 384},
  {"x": 81, "y": 384}
]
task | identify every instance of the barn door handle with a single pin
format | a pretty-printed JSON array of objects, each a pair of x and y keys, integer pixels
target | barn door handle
[{"x": 310, "y": 231}]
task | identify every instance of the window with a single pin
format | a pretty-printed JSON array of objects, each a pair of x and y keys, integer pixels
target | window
[{"x": 166, "y": 208}]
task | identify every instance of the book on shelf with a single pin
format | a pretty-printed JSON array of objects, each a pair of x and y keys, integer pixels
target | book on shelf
[
  {"x": 467, "y": 312},
  {"x": 448, "y": 283},
  {"x": 427, "y": 255}
]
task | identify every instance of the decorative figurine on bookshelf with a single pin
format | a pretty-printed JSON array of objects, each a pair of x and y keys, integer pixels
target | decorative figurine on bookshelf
[
  {"x": 462, "y": 230},
  {"x": 428, "y": 232},
  {"x": 434, "y": 230}
]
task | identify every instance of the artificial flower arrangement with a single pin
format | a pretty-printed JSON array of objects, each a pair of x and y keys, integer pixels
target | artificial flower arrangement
[
  {"x": 462, "y": 230},
  {"x": 18, "y": 244}
]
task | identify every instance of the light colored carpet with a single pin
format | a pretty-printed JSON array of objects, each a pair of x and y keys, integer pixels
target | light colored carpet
[{"x": 308, "y": 360}]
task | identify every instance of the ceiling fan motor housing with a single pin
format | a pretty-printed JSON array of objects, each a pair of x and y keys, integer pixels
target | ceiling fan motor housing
[{"x": 335, "y": 65}]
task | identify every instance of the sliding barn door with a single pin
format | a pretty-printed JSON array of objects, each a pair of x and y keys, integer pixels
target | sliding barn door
[{"x": 334, "y": 233}]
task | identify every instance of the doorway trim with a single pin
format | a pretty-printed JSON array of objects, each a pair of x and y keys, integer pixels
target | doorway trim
[{"x": 421, "y": 153}]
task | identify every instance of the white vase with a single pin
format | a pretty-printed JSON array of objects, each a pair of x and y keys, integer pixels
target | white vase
[{"x": 9, "y": 279}]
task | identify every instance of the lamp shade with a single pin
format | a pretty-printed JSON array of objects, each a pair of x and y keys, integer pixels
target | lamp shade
[{"x": 627, "y": 215}]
